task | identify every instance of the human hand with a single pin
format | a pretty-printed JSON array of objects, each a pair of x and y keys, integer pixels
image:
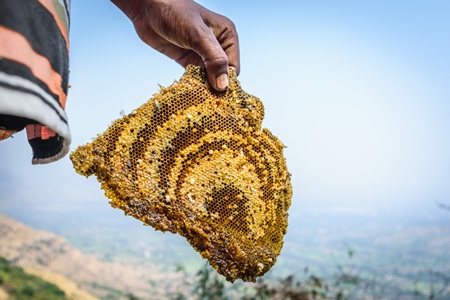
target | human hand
[{"x": 188, "y": 33}]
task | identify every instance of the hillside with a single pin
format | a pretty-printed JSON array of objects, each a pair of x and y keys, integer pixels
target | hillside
[
  {"x": 52, "y": 257},
  {"x": 403, "y": 255},
  {"x": 70, "y": 288},
  {"x": 17, "y": 284}
]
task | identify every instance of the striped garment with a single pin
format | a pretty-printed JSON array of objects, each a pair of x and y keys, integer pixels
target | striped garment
[{"x": 34, "y": 68}]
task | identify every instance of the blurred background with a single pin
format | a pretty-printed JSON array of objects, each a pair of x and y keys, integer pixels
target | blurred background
[{"x": 358, "y": 91}]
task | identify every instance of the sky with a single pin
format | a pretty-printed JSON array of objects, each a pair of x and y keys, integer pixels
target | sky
[{"x": 357, "y": 90}]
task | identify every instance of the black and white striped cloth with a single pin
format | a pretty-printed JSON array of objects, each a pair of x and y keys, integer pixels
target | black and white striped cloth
[{"x": 34, "y": 64}]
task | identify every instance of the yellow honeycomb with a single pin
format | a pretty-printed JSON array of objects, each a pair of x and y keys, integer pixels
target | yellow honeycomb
[{"x": 195, "y": 162}]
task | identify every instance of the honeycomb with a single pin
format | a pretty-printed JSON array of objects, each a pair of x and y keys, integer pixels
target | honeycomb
[{"x": 196, "y": 162}]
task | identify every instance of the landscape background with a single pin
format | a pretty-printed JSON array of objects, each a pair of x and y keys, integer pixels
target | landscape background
[{"x": 357, "y": 91}]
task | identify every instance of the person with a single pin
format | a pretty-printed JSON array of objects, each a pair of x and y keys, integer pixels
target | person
[{"x": 34, "y": 59}]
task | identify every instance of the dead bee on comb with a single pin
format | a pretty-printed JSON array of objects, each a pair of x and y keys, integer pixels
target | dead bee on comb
[{"x": 195, "y": 162}]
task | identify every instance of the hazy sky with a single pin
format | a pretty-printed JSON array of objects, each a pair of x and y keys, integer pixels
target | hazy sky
[{"x": 358, "y": 91}]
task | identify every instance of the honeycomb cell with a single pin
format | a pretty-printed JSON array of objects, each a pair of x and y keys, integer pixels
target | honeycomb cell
[{"x": 196, "y": 162}]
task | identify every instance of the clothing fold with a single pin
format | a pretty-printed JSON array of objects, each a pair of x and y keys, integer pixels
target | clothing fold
[{"x": 34, "y": 74}]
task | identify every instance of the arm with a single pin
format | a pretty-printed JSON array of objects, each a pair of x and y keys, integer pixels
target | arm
[{"x": 188, "y": 33}]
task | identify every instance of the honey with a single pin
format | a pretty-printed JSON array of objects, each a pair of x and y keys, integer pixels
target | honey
[{"x": 195, "y": 162}]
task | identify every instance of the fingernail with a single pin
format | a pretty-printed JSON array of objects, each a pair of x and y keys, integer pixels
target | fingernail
[{"x": 222, "y": 82}]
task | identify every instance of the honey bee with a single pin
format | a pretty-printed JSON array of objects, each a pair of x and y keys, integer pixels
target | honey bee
[{"x": 197, "y": 163}]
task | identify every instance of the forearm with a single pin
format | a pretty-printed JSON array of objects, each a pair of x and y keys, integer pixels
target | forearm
[
  {"x": 188, "y": 33},
  {"x": 131, "y": 8}
]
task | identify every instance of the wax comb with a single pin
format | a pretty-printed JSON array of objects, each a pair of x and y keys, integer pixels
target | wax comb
[{"x": 196, "y": 162}]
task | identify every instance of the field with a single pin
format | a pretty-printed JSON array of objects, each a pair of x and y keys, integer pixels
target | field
[{"x": 398, "y": 253}]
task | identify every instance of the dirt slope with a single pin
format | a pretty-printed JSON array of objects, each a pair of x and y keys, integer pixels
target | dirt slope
[{"x": 52, "y": 257}]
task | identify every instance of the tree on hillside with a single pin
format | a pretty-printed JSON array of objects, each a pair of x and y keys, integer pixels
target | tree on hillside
[{"x": 208, "y": 285}]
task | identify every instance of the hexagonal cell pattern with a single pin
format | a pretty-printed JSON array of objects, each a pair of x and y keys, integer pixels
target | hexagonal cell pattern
[{"x": 196, "y": 162}]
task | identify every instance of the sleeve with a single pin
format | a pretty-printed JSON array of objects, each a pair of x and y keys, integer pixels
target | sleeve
[{"x": 34, "y": 68}]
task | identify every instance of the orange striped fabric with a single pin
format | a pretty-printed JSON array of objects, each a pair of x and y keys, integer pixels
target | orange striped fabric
[
  {"x": 6, "y": 133},
  {"x": 15, "y": 47},
  {"x": 50, "y": 6},
  {"x": 34, "y": 67}
]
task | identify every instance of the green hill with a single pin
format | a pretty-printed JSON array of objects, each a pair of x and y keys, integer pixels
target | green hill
[{"x": 19, "y": 285}]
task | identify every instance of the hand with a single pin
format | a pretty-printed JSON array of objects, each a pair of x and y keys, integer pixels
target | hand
[{"x": 188, "y": 33}]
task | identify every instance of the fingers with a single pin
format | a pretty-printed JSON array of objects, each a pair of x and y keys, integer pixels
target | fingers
[
  {"x": 218, "y": 48},
  {"x": 190, "y": 34}
]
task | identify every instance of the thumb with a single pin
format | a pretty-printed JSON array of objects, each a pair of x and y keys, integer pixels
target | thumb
[
  {"x": 218, "y": 46},
  {"x": 217, "y": 72},
  {"x": 215, "y": 60}
]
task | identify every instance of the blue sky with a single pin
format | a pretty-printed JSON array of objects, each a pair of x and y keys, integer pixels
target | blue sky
[{"x": 358, "y": 91}]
